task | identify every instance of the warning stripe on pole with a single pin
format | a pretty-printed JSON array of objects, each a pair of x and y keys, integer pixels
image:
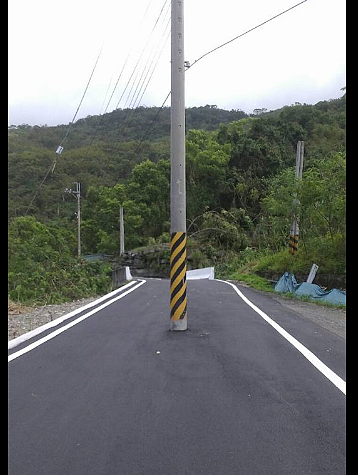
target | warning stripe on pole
[
  {"x": 178, "y": 298},
  {"x": 293, "y": 243}
]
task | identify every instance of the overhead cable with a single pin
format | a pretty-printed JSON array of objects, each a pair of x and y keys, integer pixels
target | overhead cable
[
  {"x": 245, "y": 33},
  {"x": 188, "y": 66},
  {"x": 60, "y": 147}
]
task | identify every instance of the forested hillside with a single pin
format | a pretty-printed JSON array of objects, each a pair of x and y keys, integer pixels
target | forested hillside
[
  {"x": 98, "y": 150},
  {"x": 240, "y": 184}
]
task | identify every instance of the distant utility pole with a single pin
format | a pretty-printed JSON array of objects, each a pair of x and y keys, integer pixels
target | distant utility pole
[
  {"x": 77, "y": 194},
  {"x": 178, "y": 297},
  {"x": 294, "y": 233},
  {"x": 121, "y": 231}
]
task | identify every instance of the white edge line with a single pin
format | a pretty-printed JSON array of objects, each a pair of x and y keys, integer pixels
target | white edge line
[
  {"x": 26, "y": 336},
  {"x": 71, "y": 324},
  {"x": 317, "y": 363}
]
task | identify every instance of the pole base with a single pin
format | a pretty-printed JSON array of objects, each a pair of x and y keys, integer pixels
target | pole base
[{"x": 178, "y": 325}]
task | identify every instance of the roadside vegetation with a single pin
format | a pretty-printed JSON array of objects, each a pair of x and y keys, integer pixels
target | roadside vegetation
[{"x": 240, "y": 186}]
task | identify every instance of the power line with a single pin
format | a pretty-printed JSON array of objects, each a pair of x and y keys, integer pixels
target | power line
[
  {"x": 149, "y": 127},
  {"x": 151, "y": 58},
  {"x": 60, "y": 148},
  {"x": 120, "y": 75},
  {"x": 152, "y": 72},
  {"x": 140, "y": 82},
  {"x": 126, "y": 61},
  {"x": 188, "y": 66},
  {"x": 143, "y": 82},
  {"x": 153, "y": 120},
  {"x": 245, "y": 33},
  {"x": 141, "y": 55},
  {"x": 79, "y": 105}
]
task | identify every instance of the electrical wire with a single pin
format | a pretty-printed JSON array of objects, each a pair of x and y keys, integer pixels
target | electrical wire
[
  {"x": 119, "y": 77},
  {"x": 154, "y": 48},
  {"x": 160, "y": 109},
  {"x": 146, "y": 69},
  {"x": 150, "y": 68},
  {"x": 128, "y": 56},
  {"x": 60, "y": 148},
  {"x": 52, "y": 166},
  {"x": 188, "y": 66},
  {"x": 134, "y": 82},
  {"x": 79, "y": 105},
  {"x": 140, "y": 57},
  {"x": 245, "y": 33},
  {"x": 143, "y": 82},
  {"x": 148, "y": 129}
]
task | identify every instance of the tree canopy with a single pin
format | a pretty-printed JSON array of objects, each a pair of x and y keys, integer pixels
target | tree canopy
[{"x": 239, "y": 178}]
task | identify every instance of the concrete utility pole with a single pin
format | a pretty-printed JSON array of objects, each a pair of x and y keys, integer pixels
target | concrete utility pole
[
  {"x": 121, "y": 231},
  {"x": 178, "y": 297},
  {"x": 294, "y": 233},
  {"x": 77, "y": 194}
]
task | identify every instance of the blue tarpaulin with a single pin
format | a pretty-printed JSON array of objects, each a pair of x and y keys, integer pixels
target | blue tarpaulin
[{"x": 288, "y": 283}]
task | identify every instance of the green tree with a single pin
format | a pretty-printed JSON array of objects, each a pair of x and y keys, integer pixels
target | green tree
[
  {"x": 322, "y": 197},
  {"x": 206, "y": 172},
  {"x": 149, "y": 188}
]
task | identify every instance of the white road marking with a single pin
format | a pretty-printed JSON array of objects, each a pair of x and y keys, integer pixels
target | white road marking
[
  {"x": 333, "y": 377},
  {"x": 26, "y": 336},
  {"x": 71, "y": 324}
]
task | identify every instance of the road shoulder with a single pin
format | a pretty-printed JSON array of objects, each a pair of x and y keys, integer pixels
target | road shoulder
[{"x": 329, "y": 318}]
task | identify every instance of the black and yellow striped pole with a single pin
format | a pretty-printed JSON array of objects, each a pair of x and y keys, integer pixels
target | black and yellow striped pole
[
  {"x": 293, "y": 239},
  {"x": 178, "y": 294},
  {"x": 178, "y": 298}
]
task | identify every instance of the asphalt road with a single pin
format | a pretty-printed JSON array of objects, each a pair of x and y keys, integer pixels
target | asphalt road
[{"x": 119, "y": 394}]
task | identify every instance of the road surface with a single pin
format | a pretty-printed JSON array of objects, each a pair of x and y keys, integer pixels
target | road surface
[{"x": 114, "y": 392}]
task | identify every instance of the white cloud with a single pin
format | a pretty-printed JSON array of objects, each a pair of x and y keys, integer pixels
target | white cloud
[{"x": 299, "y": 56}]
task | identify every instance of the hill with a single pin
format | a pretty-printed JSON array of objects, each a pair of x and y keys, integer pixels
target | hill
[
  {"x": 123, "y": 125},
  {"x": 240, "y": 187},
  {"x": 103, "y": 150},
  {"x": 98, "y": 150}
]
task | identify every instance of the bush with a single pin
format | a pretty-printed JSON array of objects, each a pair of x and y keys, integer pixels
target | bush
[
  {"x": 43, "y": 270},
  {"x": 327, "y": 252}
]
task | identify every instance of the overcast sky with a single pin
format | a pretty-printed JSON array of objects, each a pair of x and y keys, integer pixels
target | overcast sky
[{"x": 53, "y": 47}]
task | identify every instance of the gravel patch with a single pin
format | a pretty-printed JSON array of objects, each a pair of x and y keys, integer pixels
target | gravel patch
[
  {"x": 22, "y": 320},
  {"x": 332, "y": 319}
]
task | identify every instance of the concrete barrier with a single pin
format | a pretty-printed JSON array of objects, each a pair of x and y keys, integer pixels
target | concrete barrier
[
  {"x": 120, "y": 276},
  {"x": 206, "y": 273}
]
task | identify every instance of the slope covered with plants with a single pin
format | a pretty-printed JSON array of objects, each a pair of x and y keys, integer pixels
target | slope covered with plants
[{"x": 240, "y": 185}]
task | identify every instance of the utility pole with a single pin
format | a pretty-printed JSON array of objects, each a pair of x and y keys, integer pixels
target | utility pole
[
  {"x": 77, "y": 194},
  {"x": 294, "y": 233},
  {"x": 178, "y": 297},
  {"x": 121, "y": 231}
]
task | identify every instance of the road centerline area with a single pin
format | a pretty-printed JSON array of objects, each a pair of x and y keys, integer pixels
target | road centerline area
[
  {"x": 316, "y": 362},
  {"x": 115, "y": 394},
  {"x": 71, "y": 324}
]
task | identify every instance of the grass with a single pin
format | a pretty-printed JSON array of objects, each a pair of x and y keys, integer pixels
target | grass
[
  {"x": 306, "y": 298},
  {"x": 242, "y": 269},
  {"x": 259, "y": 283},
  {"x": 254, "y": 281}
]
